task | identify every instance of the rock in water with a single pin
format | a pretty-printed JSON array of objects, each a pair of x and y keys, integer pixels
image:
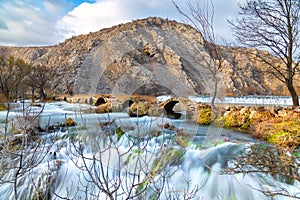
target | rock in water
[{"x": 70, "y": 122}]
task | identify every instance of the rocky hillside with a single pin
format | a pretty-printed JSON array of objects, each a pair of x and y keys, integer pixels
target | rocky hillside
[{"x": 151, "y": 56}]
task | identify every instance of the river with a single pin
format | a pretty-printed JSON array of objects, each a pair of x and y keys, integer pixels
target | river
[{"x": 113, "y": 156}]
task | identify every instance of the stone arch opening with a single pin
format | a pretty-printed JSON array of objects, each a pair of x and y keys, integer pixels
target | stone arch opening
[
  {"x": 168, "y": 107},
  {"x": 100, "y": 101}
]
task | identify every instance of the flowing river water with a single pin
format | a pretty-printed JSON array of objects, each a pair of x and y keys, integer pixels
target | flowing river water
[{"x": 113, "y": 156}]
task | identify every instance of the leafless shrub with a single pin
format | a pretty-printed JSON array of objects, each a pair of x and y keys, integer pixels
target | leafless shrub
[{"x": 282, "y": 164}]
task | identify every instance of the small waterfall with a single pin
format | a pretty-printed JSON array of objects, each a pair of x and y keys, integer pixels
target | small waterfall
[
  {"x": 202, "y": 169},
  {"x": 248, "y": 100},
  {"x": 196, "y": 172},
  {"x": 145, "y": 162}
]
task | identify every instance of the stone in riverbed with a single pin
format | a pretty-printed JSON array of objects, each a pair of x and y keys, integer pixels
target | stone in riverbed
[
  {"x": 138, "y": 109},
  {"x": 69, "y": 122},
  {"x": 104, "y": 108}
]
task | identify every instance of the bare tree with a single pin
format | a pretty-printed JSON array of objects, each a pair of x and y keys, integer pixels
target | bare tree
[
  {"x": 22, "y": 152},
  {"x": 12, "y": 74},
  {"x": 273, "y": 26},
  {"x": 281, "y": 164},
  {"x": 201, "y": 15},
  {"x": 39, "y": 78}
]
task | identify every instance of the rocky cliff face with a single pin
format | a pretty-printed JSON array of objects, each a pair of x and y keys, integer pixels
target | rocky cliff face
[{"x": 151, "y": 56}]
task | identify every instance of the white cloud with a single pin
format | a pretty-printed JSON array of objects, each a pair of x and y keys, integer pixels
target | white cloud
[
  {"x": 26, "y": 23},
  {"x": 3, "y": 25},
  {"x": 52, "y": 8},
  {"x": 89, "y": 17},
  {"x": 46, "y": 22}
]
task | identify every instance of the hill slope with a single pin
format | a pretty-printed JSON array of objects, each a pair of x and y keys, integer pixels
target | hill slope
[{"x": 151, "y": 56}]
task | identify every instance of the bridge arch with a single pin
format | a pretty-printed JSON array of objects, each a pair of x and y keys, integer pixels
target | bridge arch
[
  {"x": 100, "y": 101},
  {"x": 169, "y": 109}
]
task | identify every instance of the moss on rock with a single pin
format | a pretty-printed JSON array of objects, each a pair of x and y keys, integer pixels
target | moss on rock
[
  {"x": 205, "y": 116},
  {"x": 285, "y": 134},
  {"x": 280, "y": 131},
  {"x": 138, "y": 109},
  {"x": 237, "y": 118},
  {"x": 3, "y": 107}
]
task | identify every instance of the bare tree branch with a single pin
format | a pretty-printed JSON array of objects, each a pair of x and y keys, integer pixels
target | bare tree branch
[{"x": 273, "y": 26}]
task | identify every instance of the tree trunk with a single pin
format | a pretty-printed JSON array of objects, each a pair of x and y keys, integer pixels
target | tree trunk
[
  {"x": 43, "y": 95},
  {"x": 6, "y": 120},
  {"x": 213, "y": 100},
  {"x": 32, "y": 95},
  {"x": 293, "y": 93}
]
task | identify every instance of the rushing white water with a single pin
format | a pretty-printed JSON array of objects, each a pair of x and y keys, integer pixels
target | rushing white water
[
  {"x": 248, "y": 100},
  {"x": 93, "y": 162},
  {"x": 241, "y": 100}
]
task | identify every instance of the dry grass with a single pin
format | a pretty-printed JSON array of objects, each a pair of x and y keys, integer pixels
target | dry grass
[{"x": 280, "y": 131}]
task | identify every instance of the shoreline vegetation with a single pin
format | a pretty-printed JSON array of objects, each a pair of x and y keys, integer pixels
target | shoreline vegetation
[{"x": 276, "y": 125}]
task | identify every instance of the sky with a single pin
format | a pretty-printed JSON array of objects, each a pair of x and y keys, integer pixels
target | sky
[{"x": 48, "y": 22}]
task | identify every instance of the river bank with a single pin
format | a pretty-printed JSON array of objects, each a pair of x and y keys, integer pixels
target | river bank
[{"x": 278, "y": 125}]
